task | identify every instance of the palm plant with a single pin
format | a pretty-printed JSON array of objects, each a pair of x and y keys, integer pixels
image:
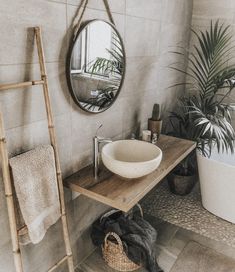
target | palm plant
[
  {"x": 204, "y": 115},
  {"x": 112, "y": 69}
]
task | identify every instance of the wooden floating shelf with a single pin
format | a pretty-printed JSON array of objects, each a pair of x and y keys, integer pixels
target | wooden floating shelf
[{"x": 121, "y": 193}]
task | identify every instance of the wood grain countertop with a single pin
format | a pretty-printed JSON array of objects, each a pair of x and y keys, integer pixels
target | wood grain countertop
[{"x": 122, "y": 193}]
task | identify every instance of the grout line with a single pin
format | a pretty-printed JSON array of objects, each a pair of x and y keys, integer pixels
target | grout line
[
  {"x": 57, "y": 2},
  {"x": 145, "y": 18},
  {"x": 34, "y": 122},
  {"x": 98, "y": 9},
  {"x": 119, "y": 13},
  {"x": 167, "y": 251},
  {"x": 86, "y": 257},
  {"x": 125, "y": 26},
  {"x": 30, "y": 63}
]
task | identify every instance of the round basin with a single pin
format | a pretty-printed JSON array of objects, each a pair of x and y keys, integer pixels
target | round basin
[{"x": 131, "y": 158}]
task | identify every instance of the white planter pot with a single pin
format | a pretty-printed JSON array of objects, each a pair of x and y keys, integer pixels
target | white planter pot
[{"x": 217, "y": 182}]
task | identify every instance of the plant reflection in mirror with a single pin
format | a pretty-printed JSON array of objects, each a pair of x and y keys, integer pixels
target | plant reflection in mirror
[
  {"x": 203, "y": 115},
  {"x": 111, "y": 70}
]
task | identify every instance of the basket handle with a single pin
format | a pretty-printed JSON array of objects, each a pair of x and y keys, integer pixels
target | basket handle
[
  {"x": 113, "y": 211},
  {"x": 118, "y": 239},
  {"x": 141, "y": 210},
  {"x": 108, "y": 214}
]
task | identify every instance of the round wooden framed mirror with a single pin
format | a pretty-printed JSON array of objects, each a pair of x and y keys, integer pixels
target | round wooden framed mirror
[{"x": 96, "y": 66}]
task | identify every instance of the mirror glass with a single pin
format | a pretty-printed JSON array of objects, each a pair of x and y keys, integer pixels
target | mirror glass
[{"x": 96, "y": 66}]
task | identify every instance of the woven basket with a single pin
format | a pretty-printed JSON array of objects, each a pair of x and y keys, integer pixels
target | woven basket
[{"x": 114, "y": 254}]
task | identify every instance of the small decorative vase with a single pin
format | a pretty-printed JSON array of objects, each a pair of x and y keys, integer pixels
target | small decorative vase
[{"x": 155, "y": 126}]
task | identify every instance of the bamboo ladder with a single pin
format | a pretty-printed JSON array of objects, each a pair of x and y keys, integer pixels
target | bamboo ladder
[{"x": 6, "y": 170}]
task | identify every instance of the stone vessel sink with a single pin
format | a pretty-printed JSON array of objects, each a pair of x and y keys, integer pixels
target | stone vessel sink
[{"x": 131, "y": 158}]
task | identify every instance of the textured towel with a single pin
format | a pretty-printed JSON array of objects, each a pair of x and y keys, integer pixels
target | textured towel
[{"x": 35, "y": 183}]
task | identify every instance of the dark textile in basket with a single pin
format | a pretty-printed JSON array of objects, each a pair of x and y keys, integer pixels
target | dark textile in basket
[{"x": 137, "y": 235}]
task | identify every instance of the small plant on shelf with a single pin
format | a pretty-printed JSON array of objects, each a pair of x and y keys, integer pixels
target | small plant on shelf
[
  {"x": 156, "y": 113},
  {"x": 155, "y": 123}
]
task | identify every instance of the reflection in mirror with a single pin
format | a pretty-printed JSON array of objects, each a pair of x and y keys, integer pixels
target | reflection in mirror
[{"x": 96, "y": 64}]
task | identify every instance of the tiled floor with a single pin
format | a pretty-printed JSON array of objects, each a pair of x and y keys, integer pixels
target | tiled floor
[{"x": 171, "y": 241}]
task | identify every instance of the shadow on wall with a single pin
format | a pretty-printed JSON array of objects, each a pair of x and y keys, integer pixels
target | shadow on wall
[
  {"x": 63, "y": 55},
  {"x": 27, "y": 95}
]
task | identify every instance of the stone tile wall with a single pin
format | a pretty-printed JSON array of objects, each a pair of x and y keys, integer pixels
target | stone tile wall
[{"x": 149, "y": 29}]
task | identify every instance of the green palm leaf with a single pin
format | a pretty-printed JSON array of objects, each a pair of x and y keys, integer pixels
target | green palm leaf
[{"x": 205, "y": 116}]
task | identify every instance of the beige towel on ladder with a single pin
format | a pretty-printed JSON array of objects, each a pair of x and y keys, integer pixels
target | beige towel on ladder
[{"x": 35, "y": 181}]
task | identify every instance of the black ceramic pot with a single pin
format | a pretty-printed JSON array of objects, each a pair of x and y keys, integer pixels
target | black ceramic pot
[{"x": 181, "y": 185}]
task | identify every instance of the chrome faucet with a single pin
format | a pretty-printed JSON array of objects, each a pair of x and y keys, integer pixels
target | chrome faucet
[{"x": 96, "y": 152}]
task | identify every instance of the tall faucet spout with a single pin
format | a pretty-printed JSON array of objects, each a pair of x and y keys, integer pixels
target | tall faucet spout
[{"x": 96, "y": 154}]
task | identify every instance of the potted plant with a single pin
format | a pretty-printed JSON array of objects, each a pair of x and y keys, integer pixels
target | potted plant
[
  {"x": 183, "y": 178},
  {"x": 210, "y": 81},
  {"x": 155, "y": 122}
]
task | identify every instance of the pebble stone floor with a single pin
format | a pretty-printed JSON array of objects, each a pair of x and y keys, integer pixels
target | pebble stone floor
[{"x": 187, "y": 212}]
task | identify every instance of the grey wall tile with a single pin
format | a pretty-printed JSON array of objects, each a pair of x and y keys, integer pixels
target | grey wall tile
[
  {"x": 6, "y": 260},
  {"x": 23, "y": 106},
  {"x": 177, "y": 12},
  {"x": 5, "y": 232},
  {"x": 24, "y": 138},
  {"x": 143, "y": 33},
  {"x": 141, "y": 74},
  {"x": 152, "y": 9},
  {"x": 210, "y": 9},
  {"x": 91, "y": 14},
  {"x": 172, "y": 38},
  {"x": 17, "y": 17}
]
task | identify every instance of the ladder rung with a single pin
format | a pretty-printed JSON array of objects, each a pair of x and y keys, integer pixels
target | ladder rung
[
  {"x": 20, "y": 85},
  {"x": 58, "y": 264}
]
